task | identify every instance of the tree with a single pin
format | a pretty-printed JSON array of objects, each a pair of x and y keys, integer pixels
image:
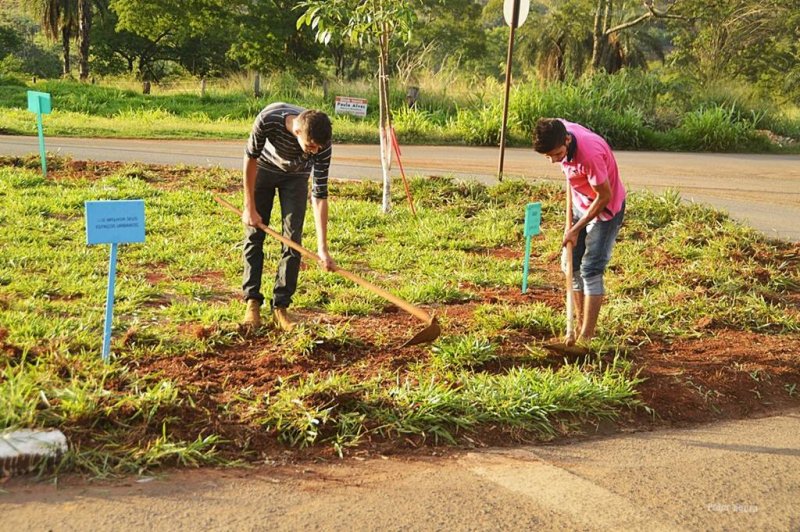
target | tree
[
  {"x": 59, "y": 19},
  {"x": 21, "y": 50},
  {"x": 753, "y": 40},
  {"x": 84, "y": 28},
  {"x": 371, "y": 22},
  {"x": 195, "y": 33},
  {"x": 268, "y": 39},
  {"x": 575, "y": 37},
  {"x": 116, "y": 51},
  {"x": 609, "y": 25},
  {"x": 450, "y": 31}
]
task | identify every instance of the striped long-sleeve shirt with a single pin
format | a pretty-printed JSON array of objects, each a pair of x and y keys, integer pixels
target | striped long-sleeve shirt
[{"x": 277, "y": 149}]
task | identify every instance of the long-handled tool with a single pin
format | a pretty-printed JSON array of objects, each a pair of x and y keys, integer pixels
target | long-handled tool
[
  {"x": 428, "y": 334},
  {"x": 570, "y": 337},
  {"x": 568, "y": 347}
]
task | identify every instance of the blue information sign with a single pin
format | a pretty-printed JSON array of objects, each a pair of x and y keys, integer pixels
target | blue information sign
[
  {"x": 533, "y": 219},
  {"x": 39, "y": 103},
  {"x": 114, "y": 221}
]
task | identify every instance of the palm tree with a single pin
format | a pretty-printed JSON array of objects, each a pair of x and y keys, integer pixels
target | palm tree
[
  {"x": 585, "y": 36},
  {"x": 84, "y": 26},
  {"x": 60, "y": 19}
]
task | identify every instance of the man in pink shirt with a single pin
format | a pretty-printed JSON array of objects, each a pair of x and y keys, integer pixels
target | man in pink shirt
[{"x": 598, "y": 208}]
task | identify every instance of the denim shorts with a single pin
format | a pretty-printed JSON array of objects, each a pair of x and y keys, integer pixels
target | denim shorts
[{"x": 593, "y": 252}]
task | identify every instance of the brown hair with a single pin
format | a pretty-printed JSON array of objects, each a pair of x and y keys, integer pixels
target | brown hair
[
  {"x": 316, "y": 125},
  {"x": 549, "y": 134}
]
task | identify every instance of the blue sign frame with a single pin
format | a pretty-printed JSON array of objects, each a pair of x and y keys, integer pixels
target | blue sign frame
[
  {"x": 116, "y": 221},
  {"x": 113, "y": 222},
  {"x": 533, "y": 220},
  {"x": 39, "y": 103}
]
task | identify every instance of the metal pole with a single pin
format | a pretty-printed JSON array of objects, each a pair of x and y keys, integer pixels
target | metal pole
[
  {"x": 42, "y": 152},
  {"x": 514, "y": 20},
  {"x": 112, "y": 277}
]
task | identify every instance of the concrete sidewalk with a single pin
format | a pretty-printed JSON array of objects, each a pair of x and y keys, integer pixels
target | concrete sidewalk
[{"x": 740, "y": 475}]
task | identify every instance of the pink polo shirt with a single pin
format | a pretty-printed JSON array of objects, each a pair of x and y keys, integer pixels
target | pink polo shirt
[{"x": 592, "y": 163}]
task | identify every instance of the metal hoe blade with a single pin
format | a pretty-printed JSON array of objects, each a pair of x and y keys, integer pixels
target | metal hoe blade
[{"x": 426, "y": 335}]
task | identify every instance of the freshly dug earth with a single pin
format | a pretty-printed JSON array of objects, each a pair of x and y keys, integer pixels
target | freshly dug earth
[{"x": 722, "y": 374}]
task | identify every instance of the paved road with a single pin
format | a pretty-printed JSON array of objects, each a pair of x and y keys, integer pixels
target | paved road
[
  {"x": 742, "y": 475},
  {"x": 762, "y": 190}
]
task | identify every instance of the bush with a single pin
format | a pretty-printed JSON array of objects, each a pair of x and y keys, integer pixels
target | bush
[
  {"x": 481, "y": 126},
  {"x": 716, "y": 128}
]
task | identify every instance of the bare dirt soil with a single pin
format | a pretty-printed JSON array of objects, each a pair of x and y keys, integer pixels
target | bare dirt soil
[{"x": 725, "y": 374}]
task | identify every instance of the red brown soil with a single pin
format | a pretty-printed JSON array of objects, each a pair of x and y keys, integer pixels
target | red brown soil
[{"x": 723, "y": 375}]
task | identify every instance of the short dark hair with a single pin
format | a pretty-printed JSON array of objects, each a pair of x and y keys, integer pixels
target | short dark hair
[
  {"x": 316, "y": 125},
  {"x": 549, "y": 134}
]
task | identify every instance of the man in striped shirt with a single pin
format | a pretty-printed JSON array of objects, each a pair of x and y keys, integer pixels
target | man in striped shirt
[
  {"x": 598, "y": 199},
  {"x": 287, "y": 144}
]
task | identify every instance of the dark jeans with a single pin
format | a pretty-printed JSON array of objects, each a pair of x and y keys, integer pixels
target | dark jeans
[{"x": 293, "y": 196}]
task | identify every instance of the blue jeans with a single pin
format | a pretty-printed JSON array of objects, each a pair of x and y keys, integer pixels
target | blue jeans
[{"x": 592, "y": 252}]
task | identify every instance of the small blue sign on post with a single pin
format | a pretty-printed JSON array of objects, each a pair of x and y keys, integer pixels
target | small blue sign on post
[
  {"x": 113, "y": 222},
  {"x": 39, "y": 103},
  {"x": 533, "y": 221}
]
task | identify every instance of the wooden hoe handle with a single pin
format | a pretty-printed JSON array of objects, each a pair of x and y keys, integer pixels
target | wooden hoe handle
[{"x": 403, "y": 304}]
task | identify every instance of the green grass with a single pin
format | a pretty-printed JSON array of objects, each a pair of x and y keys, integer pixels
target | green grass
[
  {"x": 633, "y": 110},
  {"x": 678, "y": 271}
]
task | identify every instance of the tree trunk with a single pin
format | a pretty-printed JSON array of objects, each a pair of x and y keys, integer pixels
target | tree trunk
[
  {"x": 385, "y": 121},
  {"x": 65, "y": 46},
  {"x": 84, "y": 25},
  {"x": 601, "y": 46},
  {"x": 597, "y": 34}
]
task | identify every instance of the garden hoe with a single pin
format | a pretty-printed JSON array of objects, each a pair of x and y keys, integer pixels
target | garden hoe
[
  {"x": 428, "y": 334},
  {"x": 568, "y": 347}
]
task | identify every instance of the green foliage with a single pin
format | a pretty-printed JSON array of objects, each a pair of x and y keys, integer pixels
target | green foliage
[
  {"x": 462, "y": 352},
  {"x": 632, "y": 111},
  {"x": 751, "y": 40},
  {"x": 679, "y": 271},
  {"x": 265, "y": 27},
  {"x": 716, "y": 129},
  {"x": 357, "y": 21},
  {"x": 480, "y": 126}
]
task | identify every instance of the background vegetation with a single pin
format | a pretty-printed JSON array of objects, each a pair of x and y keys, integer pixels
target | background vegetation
[{"x": 675, "y": 75}]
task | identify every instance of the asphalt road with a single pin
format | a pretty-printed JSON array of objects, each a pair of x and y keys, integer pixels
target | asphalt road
[
  {"x": 761, "y": 190},
  {"x": 740, "y": 475}
]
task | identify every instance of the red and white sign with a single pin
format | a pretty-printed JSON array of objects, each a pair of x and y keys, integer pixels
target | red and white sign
[{"x": 346, "y": 105}]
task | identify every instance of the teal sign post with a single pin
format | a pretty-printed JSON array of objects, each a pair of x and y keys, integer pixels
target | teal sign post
[
  {"x": 39, "y": 103},
  {"x": 113, "y": 222},
  {"x": 533, "y": 219}
]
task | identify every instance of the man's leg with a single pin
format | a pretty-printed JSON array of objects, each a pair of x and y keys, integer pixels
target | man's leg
[
  {"x": 578, "y": 251},
  {"x": 293, "y": 195},
  {"x": 600, "y": 239},
  {"x": 591, "y": 310},
  {"x": 253, "y": 253},
  {"x": 577, "y": 298}
]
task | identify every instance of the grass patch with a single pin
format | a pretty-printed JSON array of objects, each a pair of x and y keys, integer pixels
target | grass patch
[
  {"x": 633, "y": 110},
  {"x": 186, "y": 387}
]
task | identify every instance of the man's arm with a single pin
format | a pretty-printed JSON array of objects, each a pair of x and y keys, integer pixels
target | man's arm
[
  {"x": 250, "y": 215},
  {"x": 601, "y": 200},
  {"x": 320, "y": 206}
]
